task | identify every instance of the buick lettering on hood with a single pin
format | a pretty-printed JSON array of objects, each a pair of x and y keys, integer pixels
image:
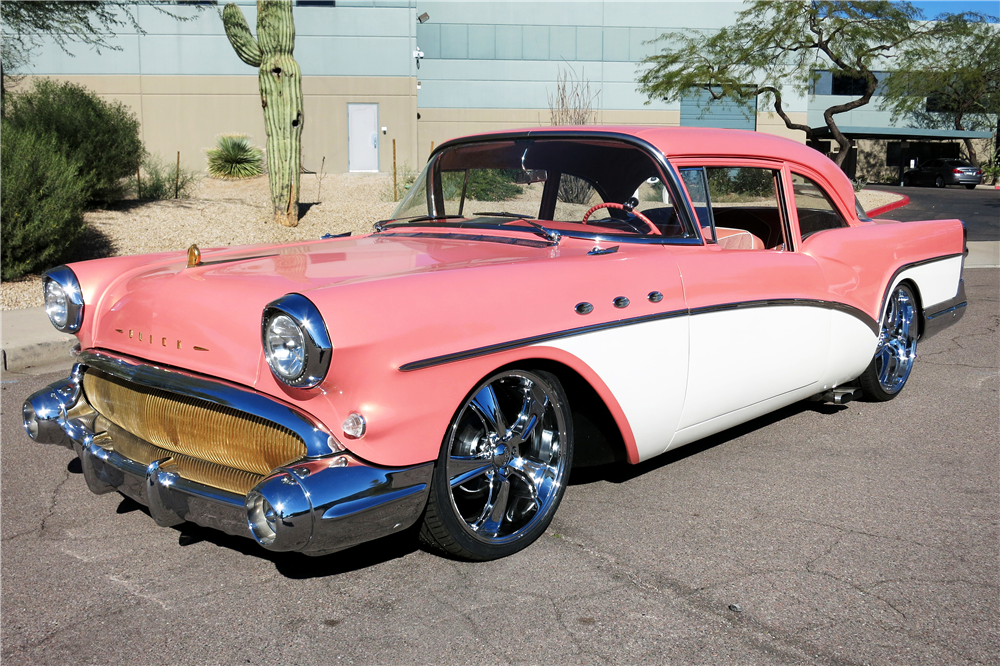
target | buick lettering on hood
[{"x": 541, "y": 300}]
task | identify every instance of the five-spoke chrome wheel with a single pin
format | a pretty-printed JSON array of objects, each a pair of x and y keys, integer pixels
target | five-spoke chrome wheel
[
  {"x": 503, "y": 467},
  {"x": 897, "y": 347}
]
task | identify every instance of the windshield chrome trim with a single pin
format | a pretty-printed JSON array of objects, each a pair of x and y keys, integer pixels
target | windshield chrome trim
[
  {"x": 526, "y": 242},
  {"x": 677, "y": 191},
  {"x": 583, "y": 235}
]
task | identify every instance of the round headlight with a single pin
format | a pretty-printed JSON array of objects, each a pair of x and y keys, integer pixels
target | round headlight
[
  {"x": 296, "y": 343},
  {"x": 63, "y": 299},
  {"x": 285, "y": 347},
  {"x": 56, "y": 304}
]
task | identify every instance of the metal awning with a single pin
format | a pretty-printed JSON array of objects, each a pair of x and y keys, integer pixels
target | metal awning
[{"x": 901, "y": 133}]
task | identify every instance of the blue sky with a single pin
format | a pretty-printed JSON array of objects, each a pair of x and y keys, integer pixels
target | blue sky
[{"x": 932, "y": 8}]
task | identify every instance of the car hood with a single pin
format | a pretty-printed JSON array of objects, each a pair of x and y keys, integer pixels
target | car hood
[{"x": 207, "y": 318}]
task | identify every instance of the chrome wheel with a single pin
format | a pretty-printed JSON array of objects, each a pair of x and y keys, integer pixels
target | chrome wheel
[
  {"x": 504, "y": 466},
  {"x": 897, "y": 347}
]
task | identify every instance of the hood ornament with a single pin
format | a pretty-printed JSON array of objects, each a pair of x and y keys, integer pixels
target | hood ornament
[{"x": 194, "y": 256}]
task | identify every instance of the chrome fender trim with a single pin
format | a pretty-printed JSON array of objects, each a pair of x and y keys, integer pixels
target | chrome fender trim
[{"x": 945, "y": 314}]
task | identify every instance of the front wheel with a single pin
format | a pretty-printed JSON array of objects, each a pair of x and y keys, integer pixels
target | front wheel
[
  {"x": 886, "y": 375},
  {"x": 503, "y": 467}
]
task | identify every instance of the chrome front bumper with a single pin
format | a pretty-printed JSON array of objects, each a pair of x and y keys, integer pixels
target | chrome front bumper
[{"x": 319, "y": 505}]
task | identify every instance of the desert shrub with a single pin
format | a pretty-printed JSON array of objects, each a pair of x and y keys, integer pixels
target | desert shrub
[
  {"x": 234, "y": 158},
  {"x": 859, "y": 183},
  {"x": 41, "y": 201},
  {"x": 159, "y": 180},
  {"x": 574, "y": 190},
  {"x": 491, "y": 185},
  {"x": 483, "y": 184},
  {"x": 102, "y": 136}
]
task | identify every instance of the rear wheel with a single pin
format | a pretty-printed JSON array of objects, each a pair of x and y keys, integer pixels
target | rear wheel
[
  {"x": 939, "y": 182},
  {"x": 886, "y": 375},
  {"x": 503, "y": 467}
]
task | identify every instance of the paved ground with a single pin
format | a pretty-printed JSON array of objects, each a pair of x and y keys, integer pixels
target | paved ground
[
  {"x": 863, "y": 534},
  {"x": 978, "y": 208}
]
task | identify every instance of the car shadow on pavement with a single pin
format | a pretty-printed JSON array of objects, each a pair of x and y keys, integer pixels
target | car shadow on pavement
[
  {"x": 296, "y": 565},
  {"x": 623, "y": 472}
]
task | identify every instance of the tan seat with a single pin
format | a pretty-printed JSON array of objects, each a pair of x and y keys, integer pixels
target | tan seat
[{"x": 737, "y": 239}]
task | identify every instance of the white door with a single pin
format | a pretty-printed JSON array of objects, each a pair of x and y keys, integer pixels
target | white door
[{"x": 362, "y": 137}]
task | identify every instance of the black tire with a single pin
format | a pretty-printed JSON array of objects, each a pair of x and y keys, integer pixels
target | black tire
[
  {"x": 496, "y": 487},
  {"x": 907, "y": 182},
  {"x": 939, "y": 182},
  {"x": 970, "y": 187},
  {"x": 886, "y": 375}
]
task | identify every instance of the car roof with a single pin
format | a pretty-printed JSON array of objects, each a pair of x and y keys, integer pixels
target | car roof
[{"x": 677, "y": 142}]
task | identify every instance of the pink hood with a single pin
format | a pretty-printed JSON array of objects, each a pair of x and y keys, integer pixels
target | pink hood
[{"x": 207, "y": 318}]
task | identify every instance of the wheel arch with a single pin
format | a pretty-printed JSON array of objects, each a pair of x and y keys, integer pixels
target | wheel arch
[{"x": 600, "y": 436}]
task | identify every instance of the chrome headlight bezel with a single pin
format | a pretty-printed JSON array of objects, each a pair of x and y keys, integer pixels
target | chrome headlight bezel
[
  {"x": 63, "y": 279},
  {"x": 317, "y": 350}
]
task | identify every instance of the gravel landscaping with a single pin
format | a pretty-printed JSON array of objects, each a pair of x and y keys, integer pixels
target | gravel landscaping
[{"x": 221, "y": 213}]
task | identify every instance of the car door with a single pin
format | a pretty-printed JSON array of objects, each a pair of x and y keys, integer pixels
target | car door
[{"x": 758, "y": 326}]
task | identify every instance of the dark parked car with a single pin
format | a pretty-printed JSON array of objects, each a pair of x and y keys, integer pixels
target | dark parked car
[{"x": 944, "y": 171}]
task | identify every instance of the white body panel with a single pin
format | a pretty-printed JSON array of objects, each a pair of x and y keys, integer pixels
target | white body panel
[
  {"x": 936, "y": 281},
  {"x": 746, "y": 363},
  {"x": 741, "y": 357},
  {"x": 645, "y": 367}
]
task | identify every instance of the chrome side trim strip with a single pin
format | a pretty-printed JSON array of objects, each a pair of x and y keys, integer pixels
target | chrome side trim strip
[
  {"x": 632, "y": 321},
  {"x": 857, "y": 313},
  {"x": 945, "y": 314},
  {"x": 533, "y": 340},
  {"x": 319, "y": 442}
]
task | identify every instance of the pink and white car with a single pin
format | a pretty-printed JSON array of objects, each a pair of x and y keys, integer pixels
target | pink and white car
[{"x": 542, "y": 299}]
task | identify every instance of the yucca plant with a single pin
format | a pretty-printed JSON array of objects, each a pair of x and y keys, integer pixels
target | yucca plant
[{"x": 234, "y": 157}]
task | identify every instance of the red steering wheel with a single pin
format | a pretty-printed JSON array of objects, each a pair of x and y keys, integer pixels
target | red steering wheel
[{"x": 652, "y": 227}]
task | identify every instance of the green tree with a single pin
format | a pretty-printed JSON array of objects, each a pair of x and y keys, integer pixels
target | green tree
[
  {"x": 26, "y": 25},
  {"x": 951, "y": 84},
  {"x": 776, "y": 45}
]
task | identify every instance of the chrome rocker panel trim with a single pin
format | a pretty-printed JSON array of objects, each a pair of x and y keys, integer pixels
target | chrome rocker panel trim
[
  {"x": 945, "y": 314},
  {"x": 325, "y": 504}
]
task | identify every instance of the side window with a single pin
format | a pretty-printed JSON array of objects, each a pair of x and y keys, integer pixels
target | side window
[
  {"x": 695, "y": 180},
  {"x": 740, "y": 206},
  {"x": 816, "y": 210}
]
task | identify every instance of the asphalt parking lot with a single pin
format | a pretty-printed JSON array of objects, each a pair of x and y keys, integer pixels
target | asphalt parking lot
[
  {"x": 978, "y": 208},
  {"x": 858, "y": 534}
]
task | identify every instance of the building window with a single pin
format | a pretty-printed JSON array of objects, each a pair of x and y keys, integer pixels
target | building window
[{"x": 849, "y": 85}]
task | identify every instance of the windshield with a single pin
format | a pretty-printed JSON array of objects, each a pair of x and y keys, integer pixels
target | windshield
[{"x": 589, "y": 185}]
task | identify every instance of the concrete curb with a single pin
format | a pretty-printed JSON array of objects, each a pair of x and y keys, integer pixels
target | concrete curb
[
  {"x": 30, "y": 340},
  {"x": 983, "y": 254}
]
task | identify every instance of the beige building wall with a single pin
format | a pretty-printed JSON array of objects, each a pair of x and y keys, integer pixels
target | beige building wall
[
  {"x": 187, "y": 113},
  {"x": 771, "y": 123},
  {"x": 439, "y": 125}
]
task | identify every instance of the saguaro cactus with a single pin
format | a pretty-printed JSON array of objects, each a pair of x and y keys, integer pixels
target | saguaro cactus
[{"x": 280, "y": 95}]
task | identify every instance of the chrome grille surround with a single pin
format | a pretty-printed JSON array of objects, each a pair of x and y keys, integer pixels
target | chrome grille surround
[
  {"x": 191, "y": 427},
  {"x": 216, "y": 394}
]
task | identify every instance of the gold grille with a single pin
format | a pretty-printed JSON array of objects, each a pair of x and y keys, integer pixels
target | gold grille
[
  {"x": 199, "y": 471},
  {"x": 192, "y": 427}
]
